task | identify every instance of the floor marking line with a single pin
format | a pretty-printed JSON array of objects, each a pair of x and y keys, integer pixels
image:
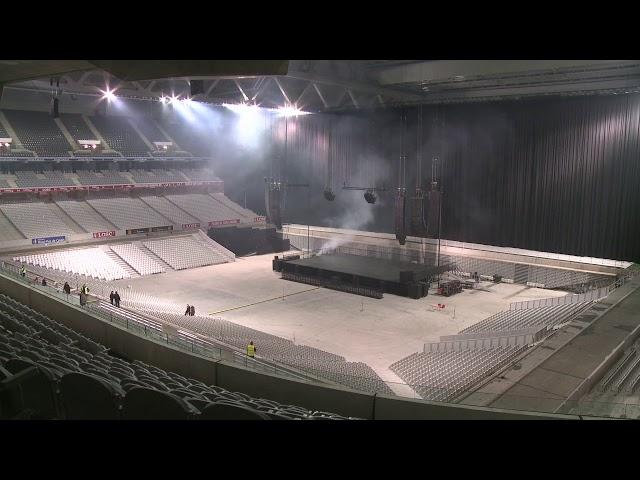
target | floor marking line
[{"x": 263, "y": 301}]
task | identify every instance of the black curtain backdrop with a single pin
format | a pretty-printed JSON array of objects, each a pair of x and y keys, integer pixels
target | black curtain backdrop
[{"x": 554, "y": 174}]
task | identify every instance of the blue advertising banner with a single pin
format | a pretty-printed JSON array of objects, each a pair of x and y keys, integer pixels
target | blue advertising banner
[{"x": 38, "y": 241}]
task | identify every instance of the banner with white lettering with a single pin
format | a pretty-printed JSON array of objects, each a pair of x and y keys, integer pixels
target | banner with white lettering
[{"x": 47, "y": 240}]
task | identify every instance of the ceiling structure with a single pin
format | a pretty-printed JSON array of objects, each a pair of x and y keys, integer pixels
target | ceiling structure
[{"x": 326, "y": 85}]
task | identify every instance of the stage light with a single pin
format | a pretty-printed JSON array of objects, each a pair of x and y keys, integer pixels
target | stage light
[
  {"x": 329, "y": 195},
  {"x": 186, "y": 100},
  {"x": 108, "y": 94},
  {"x": 370, "y": 196},
  {"x": 163, "y": 100},
  {"x": 241, "y": 108},
  {"x": 290, "y": 111},
  {"x": 94, "y": 146},
  {"x": 173, "y": 99}
]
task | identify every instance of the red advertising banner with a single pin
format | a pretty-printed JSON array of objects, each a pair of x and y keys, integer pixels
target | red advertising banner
[
  {"x": 224, "y": 222},
  {"x": 188, "y": 226},
  {"x": 260, "y": 219},
  {"x": 108, "y": 187},
  {"x": 112, "y": 233}
]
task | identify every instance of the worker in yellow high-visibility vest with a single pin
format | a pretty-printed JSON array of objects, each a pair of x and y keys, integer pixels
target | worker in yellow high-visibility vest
[{"x": 251, "y": 350}]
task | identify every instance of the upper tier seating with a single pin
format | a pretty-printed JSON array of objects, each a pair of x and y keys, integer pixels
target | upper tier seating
[
  {"x": 156, "y": 176},
  {"x": 187, "y": 138},
  {"x": 28, "y": 178},
  {"x": 38, "y": 219},
  {"x": 85, "y": 216},
  {"x": 3, "y": 132},
  {"x": 510, "y": 320},
  {"x": 185, "y": 252},
  {"x": 4, "y": 183},
  {"x": 121, "y": 136},
  {"x": 444, "y": 376},
  {"x": 150, "y": 130},
  {"x": 77, "y": 127},
  {"x": 105, "y": 177},
  {"x": 168, "y": 209},
  {"x": 13, "y": 153},
  {"x": 140, "y": 261},
  {"x": 39, "y": 132},
  {"x": 83, "y": 381},
  {"x": 200, "y": 175},
  {"x": 128, "y": 212},
  {"x": 92, "y": 262},
  {"x": 203, "y": 207}
]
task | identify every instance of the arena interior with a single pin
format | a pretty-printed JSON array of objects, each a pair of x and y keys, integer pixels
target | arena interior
[{"x": 397, "y": 239}]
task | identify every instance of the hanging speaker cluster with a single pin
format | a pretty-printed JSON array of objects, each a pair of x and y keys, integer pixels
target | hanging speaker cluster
[
  {"x": 370, "y": 196},
  {"x": 272, "y": 200},
  {"x": 418, "y": 227},
  {"x": 329, "y": 195},
  {"x": 400, "y": 211},
  {"x": 433, "y": 212}
]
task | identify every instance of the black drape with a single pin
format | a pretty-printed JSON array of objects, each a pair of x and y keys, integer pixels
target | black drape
[{"x": 556, "y": 174}]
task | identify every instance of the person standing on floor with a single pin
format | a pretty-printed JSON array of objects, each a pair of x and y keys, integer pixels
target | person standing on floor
[
  {"x": 188, "y": 310},
  {"x": 251, "y": 350},
  {"x": 192, "y": 310},
  {"x": 112, "y": 297},
  {"x": 116, "y": 297},
  {"x": 67, "y": 288},
  {"x": 44, "y": 282},
  {"x": 23, "y": 271}
]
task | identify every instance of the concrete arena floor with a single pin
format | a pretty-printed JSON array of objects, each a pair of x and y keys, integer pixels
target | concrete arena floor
[{"x": 377, "y": 332}]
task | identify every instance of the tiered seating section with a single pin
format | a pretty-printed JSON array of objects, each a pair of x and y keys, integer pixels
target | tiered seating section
[
  {"x": 185, "y": 252},
  {"x": 37, "y": 219},
  {"x": 106, "y": 177},
  {"x": 28, "y": 178},
  {"x": 150, "y": 130},
  {"x": 84, "y": 215},
  {"x": 92, "y": 262},
  {"x": 511, "y": 320},
  {"x": 120, "y": 136},
  {"x": 106, "y": 211},
  {"x": 203, "y": 207},
  {"x": 39, "y": 133},
  {"x": 444, "y": 376},
  {"x": 168, "y": 210},
  {"x": 624, "y": 377},
  {"x": 243, "y": 212},
  {"x": 77, "y": 127},
  {"x": 140, "y": 261},
  {"x": 8, "y": 232},
  {"x": 156, "y": 176},
  {"x": 127, "y": 212},
  {"x": 77, "y": 378},
  {"x": 452, "y": 367},
  {"x": 325, "y": 365}
]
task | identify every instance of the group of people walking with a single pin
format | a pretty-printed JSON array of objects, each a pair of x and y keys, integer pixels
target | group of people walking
[
  {"x": 115, "y": 298},
  {"x": 191, "y": 310}
]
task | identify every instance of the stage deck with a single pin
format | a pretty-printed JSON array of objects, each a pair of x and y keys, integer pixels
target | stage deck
[{"x": 368, "y": 267}]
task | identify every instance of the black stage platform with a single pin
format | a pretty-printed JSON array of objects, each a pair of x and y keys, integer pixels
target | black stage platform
[{"x": 389, "y": 276}]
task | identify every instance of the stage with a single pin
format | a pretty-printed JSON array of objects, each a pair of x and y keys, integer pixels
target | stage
[{"x": 388, "y": 276}]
